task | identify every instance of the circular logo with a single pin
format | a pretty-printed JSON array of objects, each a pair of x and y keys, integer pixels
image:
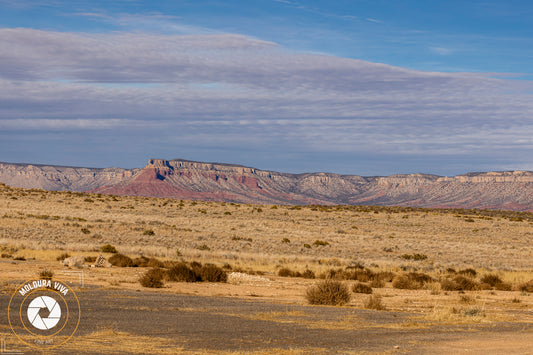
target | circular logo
[
  {"x": 44, "y": 313},
  {"x": 54, "y": 312}
]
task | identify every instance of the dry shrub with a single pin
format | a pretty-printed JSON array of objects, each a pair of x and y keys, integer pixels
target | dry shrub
[
  {"x": 377, "y": 283},
  {"x": 153, "y": 278},
  {"x": 360, "y": 287},
  {"x": 108, "y": 248},
  {"x": 121, "y": 260},
  {"x": 153, "y": 262},
  {"x": 213, "y": 273},
  {"x": 468, "y": 272},
  {"x": 526, "y": 287},
  {"x": 374, "y": 302},
  {"x": 459, "y": 283},
  {"x": 385, "y": 276},
  {"x": 63, "y": 256},
  {"x": 141, "y": 261},
  {"x": 328, "y": 292},
  {"x": 411, "y": 281},
  {"x": 90, "y": 259},
  {"x": 491, "y": 279},
  {"x": 181, "y": 273},
  {"x": 286, "y": 272},
  {"x": 46, "y": 274},
  {"x": 308, "y": 274}
]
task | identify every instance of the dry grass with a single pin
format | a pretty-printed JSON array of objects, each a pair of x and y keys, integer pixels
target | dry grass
[{"x": 360, "y": 241}]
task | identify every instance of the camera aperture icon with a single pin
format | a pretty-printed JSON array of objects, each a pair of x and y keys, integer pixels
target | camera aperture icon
[{"x": 43, "y": 303}]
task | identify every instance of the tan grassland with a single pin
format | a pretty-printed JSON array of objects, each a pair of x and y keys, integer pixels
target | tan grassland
[{"x": 260, "y": 239}]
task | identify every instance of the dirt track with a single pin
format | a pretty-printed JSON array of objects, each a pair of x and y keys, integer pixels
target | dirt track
[{"x": 219, "y": 324}]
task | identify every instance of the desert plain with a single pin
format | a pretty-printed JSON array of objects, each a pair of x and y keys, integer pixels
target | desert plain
[{"x": 412, "y": 259}]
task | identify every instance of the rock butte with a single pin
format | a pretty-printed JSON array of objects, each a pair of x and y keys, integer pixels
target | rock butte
[{"x": 183, "y": 179}]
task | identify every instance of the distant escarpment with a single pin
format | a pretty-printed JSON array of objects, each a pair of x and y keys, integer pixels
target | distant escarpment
[{"x": 183, "y": 179}]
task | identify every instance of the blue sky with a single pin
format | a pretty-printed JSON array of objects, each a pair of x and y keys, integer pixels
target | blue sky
[{"x": 353, "y": 87}]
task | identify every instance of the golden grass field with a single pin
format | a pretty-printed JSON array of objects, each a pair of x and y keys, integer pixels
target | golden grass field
[{"x": 261, "y": 239}]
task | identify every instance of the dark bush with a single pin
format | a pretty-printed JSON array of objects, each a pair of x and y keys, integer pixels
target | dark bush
[
  {"x": 459, "y": 283},
  {"x": 182, "y": 273},
  {"x": 213, "y": 273},
  {"x": 141, "y": 261},
  {"x": 121, "y": 260},
  {"x": 328, "y": 292},
  {"x": 153, "y": 262},
  {"x": 360, "y": 287},
  {"x": 469, "y": 272},
  {"x": 491, "y": 279},
  {"x": 63, "y": 256},
  {"x": 411, "y": 281},
  {"x": 466, "y": 284},
  {"x": 308, "y": 274},
  {"x": 526, "y": 287},
  {"x": 108, "y": 248},
  {"x": 153, "y": 278},
  {"x": 46, "y": 274},
  {"x": 285, "y": 272}
]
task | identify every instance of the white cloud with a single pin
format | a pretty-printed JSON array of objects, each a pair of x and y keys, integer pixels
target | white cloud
[{"x": 213, "y": 88}]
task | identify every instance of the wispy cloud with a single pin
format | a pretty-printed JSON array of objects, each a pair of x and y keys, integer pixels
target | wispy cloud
[{"x": 234, "y": 91}]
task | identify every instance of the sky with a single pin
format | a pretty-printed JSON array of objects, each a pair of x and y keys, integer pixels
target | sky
[{"x": 363, "y": 87}]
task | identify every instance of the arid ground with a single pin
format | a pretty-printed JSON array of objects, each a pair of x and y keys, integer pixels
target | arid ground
[{"x": 263, "y": 312}]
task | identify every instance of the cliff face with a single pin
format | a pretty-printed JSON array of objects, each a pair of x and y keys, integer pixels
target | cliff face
[{"x": 233, "y": 183}]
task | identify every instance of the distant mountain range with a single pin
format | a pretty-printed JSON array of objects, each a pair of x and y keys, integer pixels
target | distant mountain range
[{"x": 183, "y": 179}]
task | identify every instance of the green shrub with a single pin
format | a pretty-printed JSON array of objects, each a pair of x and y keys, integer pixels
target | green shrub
[
  {"x": 328, "y": 292},
  {"x": 121, "y": 260},
  {"x": 213, "y": 273},
  {"x": 152, "y": 278},
  {"x": 108, "y": 248},
  {"x": 360, "y": 287}
]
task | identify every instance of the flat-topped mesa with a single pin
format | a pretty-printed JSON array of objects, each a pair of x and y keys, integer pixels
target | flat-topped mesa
[
  {"x": 160, "y": 168},
  {"x": 158, "y": 163}
]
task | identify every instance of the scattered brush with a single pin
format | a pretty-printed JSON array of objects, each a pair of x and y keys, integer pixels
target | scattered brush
[
  {"x": 152, "y": 278},
  {"x": 328, "y": 292}
]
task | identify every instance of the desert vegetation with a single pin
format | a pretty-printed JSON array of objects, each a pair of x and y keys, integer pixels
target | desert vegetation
[{"x": 445, "y": 265}]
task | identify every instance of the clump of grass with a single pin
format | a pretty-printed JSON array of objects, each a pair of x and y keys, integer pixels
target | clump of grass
[
  {"x": 415, "y": 256},
  {"x": 459, "y": 283},
  {"x": 374, "y": 302},
  {"x": 203, "y": 247},
  {"x": 328, "y": 292},
  {"x": 286, "y": 240},
  {"x": 152, "y": 278},
  {"x": 108, "y": 248},
  {"x": 148, "y": 232},
  {"x": 46, "y": 274},
  {"x": 63, "y": 256},
  {"x": 360, "y": 287},
  {"x": 85, "y": 231},
  {"x": 121, "y": 260}
]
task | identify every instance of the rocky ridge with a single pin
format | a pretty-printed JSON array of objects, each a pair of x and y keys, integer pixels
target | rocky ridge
[{"x": 183, "y": 179}]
